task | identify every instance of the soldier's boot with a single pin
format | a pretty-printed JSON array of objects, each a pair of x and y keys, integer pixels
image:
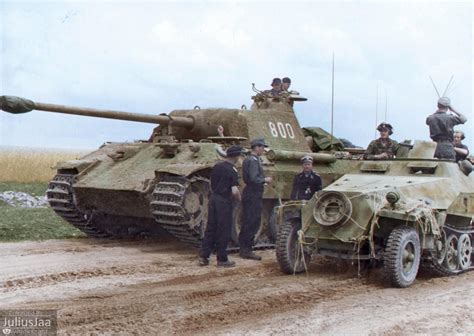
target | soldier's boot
[
  {"x": 203, "y": 261},
  {"x": 249, "y": 254},
  {"x": 228, "y": 263}
]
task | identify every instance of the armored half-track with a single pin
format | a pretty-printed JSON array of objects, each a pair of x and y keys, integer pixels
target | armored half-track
[
  {"x": 401, "y": 213},
  {"x": 141, "y": 188}
]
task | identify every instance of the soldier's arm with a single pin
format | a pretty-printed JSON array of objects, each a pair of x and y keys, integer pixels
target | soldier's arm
[
  {"x": 369, "y": 152},
  {"x": 319, "y": 183},
  {"x": 236, "y": 193},
  {"x": 253, "y": 174},
  {"x": 235, "y": 185},
  {"x": 462, "y": 151},
  {"x": 462, "y": 117}
]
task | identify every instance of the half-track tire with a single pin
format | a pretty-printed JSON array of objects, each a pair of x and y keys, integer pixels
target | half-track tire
[
  {"x": 290, "y": 256},
  {"x": 402, "y": 256}
]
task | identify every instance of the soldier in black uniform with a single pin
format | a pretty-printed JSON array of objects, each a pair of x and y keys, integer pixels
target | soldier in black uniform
[
  {"x": 224, "y": 188},
  {"x": 306, "y": 183},
  {"x": 254, "y": 179},
  {"x": 441, "y": 128}
]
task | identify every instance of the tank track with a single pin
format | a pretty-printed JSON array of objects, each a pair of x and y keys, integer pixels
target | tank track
[
  {"x": 60, "y": 197},
  {"x": 440, "y": 269},
  {"x": 168, "y": 209}
]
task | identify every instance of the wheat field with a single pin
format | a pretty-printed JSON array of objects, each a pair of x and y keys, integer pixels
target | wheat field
[{"x": 32, "y": 165}]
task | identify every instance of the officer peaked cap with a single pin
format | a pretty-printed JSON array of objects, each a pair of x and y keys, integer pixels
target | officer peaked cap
[
  {"x": 385, "y": 127},
  {"x": 306, "y": 159},
  {"x": 234, "y": 151},
  {"x": 258, "y": 142}
]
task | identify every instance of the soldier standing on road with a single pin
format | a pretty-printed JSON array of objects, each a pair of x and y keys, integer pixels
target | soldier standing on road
[
  {"x": 306, "y": 183},
  {"x": 383, "y": 147},
  {"x": 460, "y": 149},
  {"x": 254, "y": 179},
  {"x": 441, "y": 128},
  {"x": 224, "y": 188}
]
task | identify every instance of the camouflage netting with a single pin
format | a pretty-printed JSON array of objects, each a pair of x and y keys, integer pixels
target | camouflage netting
[
  {"x": 15, "y": 104},
  {"x": 322, "y": 140}
]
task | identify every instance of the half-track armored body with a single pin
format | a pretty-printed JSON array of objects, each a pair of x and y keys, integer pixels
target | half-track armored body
[
  {"x": 402, "y": 213},
  {"x": 140, "y": 188}
]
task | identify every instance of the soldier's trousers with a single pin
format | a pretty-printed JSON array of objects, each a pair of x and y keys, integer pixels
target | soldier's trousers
[
  {"x": 251, "y": 217},
  {"x": 445, "y": 150},
  {"x": 219, "y": 228}
]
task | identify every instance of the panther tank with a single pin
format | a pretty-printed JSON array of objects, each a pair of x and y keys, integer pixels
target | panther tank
[
  {"x": 139, "y": 189},
  {"x": 403, "y": 213}
]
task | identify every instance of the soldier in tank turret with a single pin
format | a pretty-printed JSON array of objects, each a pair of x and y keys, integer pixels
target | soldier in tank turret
[
  {"x": 383, "y": 147},
  {"x": 441, "y": 126},
  {"x": 276, "y": 88},
  {"x": 306, "y": 183}
]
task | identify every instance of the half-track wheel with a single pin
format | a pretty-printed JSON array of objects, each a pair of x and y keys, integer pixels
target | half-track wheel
[
  {"x": 451, "y": 260},
  {"x": 291, "y": 255},
  {"x": 402, "y": 256},
  {"x": 464, "y": 251}
]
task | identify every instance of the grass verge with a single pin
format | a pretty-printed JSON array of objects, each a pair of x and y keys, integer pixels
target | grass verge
[{"x": 18, "y": 224}]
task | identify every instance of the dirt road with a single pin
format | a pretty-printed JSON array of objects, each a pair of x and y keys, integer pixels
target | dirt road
[{"x": 157, "y": 288}]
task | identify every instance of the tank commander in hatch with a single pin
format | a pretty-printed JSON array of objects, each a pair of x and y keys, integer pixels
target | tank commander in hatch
[
  {"x": 460, "y": 149},
  {"x": 441, "y": 126},
  {"x": 276, "y": 87},
  {"x": 306, "y": 183},
  {"x": 383, "y": 147}
]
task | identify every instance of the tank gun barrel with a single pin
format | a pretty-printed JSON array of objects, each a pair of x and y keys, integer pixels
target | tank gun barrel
[{"x": 18, "y": 105}]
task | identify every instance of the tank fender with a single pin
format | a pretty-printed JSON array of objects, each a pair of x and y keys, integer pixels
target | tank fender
[{"x": 75, "y": 166}]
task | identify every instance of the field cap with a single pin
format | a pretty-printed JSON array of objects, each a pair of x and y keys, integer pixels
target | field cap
[
  {"x": 257, "y": 142},
  {"x": 234, "y": 151},
  {"x": 444, "y": 101},
  {"x": 307, "y": 158},
  {"x": 286, "y": 80},
  {"x": 276, "y": 81}
]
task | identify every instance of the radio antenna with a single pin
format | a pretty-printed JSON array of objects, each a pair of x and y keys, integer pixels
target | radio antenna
[
  {"x": 376, "y": 108},
  {"x": 435, "y": 87},
  {"x": 447, "y": 86},
  {"x": 332, "y": 103},
  {"x": 386, "y": 104}
]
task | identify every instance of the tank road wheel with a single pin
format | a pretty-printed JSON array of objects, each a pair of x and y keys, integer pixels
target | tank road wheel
[
  {"x": 402, "y": 256},
  {"x": 288, "y": 251},
  {"x": 451, "y": 260},
  {"x": 180, "y": 206},
  {"x": 464, "y": 251}
]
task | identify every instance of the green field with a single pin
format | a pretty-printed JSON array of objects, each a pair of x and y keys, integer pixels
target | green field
[{"x": 18, "y": 224}]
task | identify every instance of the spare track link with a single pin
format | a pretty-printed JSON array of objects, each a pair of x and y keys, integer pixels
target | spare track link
[
  {"x": 167, "y": 207},
  {"x": 61, "y": 199},
  {"x": 431, "y": 263}
]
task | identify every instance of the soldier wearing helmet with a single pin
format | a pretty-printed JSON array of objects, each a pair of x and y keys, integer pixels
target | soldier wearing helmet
[
  {"x": 441, "y": 126},
  {"x": 383, "y": 147},
  {"x": 306, "y": 183}
]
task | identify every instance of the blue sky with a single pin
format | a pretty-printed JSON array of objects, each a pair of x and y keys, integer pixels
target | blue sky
[{"x": 153, "y": 57}]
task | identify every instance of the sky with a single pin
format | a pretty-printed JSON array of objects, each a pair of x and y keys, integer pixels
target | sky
[{"x": 156, "y": 56}]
